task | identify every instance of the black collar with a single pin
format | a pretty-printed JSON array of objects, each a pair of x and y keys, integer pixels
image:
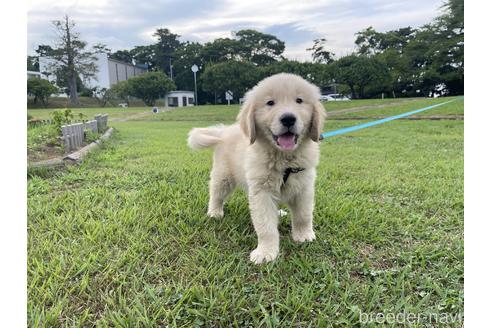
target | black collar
[{"x": 290, "y": 170}]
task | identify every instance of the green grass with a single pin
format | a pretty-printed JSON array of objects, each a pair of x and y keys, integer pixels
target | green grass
[
  {"x": 113, "y": 112},
  {"x": 43, "y": 142},
  {"x": 123, "y": 239},
  {"x": 84, "y": 102},
  {"x": 453, "y": 108}
]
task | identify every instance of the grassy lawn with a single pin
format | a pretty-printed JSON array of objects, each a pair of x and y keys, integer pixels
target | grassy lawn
[
  {"x": 113, "y": 112},
  {"x": 371, "y": 107},
  {"x": 454, "y": 108},
  {"x": 123, "y": 239}
]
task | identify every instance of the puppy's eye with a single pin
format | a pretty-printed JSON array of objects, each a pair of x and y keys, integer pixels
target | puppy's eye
[
  {"x": 299, "y": 100},
  {"x": 270, "y": 103}
]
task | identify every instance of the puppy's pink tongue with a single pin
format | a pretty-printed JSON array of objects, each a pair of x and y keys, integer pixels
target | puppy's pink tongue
[{"x": 286, "y": 141}]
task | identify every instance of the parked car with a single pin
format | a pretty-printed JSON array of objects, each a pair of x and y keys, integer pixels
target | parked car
[{"x": 333, "y": 97}]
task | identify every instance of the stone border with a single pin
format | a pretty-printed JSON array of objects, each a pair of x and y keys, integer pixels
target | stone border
[{"x": 74, "y": 157}]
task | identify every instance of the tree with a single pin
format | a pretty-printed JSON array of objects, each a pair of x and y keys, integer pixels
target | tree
[
  {"x": 359, "y": 72},
  {"x": 246, "y": 45},
  {"x": 320, "y": 74},
  {"x": 145, "y": 55},
  {"x": 166, "y": 46},
  {"x": 120, "y": 90},
  {"x": 441, "y": 46},
  {"x": 103, "y": 95},
  {"x": 370, "y": 42},
  {"x": 122, "y": 55},
  {"x": 232, "y": 75},
  {"x": 69, "y": 55},
  {"x": 422, "y": 61},
  {"x": 40, "y": 89},
  {"x": 101, "y": 48},
  {"x": 222, "y": 49},
  {"x": 259, "y": 48},
  {"x": 320, "y": 54},
  {"x": 44, "y": 50},
  {"x": 187, "y": 55},
  {"x": 150, "y": 86},
  {"x": 33, "y": 63}
]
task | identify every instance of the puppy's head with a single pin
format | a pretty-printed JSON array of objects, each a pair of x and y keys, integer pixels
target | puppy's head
[{"x": 283, "y": 109}]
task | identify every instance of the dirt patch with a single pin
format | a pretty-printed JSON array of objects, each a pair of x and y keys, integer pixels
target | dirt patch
[
  {"x": 363, "y": 108},
  {"x": 44, "y": 153},
  {"x": 131, "y": 117},
  {"x": 422, "y": 117}
]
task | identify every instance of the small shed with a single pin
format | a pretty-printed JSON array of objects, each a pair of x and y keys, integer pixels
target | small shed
[{"x": 180, "y": 98}]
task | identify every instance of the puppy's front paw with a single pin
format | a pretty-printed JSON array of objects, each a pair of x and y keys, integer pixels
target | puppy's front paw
[
  {"x": 216, "y": 213},
  {"x": 303, "y": 235},
  {"x": 263, "y": 255}
]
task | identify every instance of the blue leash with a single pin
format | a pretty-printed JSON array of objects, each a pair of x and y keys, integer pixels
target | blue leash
[{"x": 384, "y": 120}]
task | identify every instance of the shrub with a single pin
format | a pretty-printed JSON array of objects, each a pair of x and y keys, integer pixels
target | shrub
[
  {"x": 150, "y": 86},
  {"x": 90, "y": 136},
  {"x": 120, "y": 90},
  {"x": 82, "y": 117},
  {"x": 61, "y": 118},
  {"x": 86, "y": 92},
  {"x": 44, "y": 135},
  {"x": 40, "y": 89}
]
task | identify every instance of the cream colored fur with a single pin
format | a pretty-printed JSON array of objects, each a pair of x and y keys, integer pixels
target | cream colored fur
[{"x": 246, "y": 155}]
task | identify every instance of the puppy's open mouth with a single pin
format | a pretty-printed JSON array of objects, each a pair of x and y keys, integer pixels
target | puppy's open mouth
[{"x": 286, "y": 141}]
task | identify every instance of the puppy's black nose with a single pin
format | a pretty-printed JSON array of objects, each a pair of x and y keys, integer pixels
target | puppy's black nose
[{"x": 288, "y": 120}]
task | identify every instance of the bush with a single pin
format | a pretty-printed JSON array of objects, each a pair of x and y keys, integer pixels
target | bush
[
  {"x": 61, "y": 118},
  {"x": 120, "y": 90},
  {"x": 44, "y": 135},
  {"x": 149, "y": 87},
  {"x": 90, "y": 136},
  {"x": 86, "y": 92},
  {"x": 40, "y": 89},
  {"x": 104, "y": 95},
  {"x": 82, "y": 117}
]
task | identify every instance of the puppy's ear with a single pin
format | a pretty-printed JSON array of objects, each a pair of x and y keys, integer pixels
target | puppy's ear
[
  {"x": 246, "y": 119},
  {"x": 317, "y": 121}
]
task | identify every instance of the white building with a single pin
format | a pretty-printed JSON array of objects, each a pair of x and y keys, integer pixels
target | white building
[
  {"x": 180, "y": 98},
  {"x": 31, "y": 74},
  {"x": 109, "y": 71}
]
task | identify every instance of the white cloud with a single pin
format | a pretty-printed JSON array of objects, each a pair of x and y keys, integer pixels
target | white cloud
[{"x": 126, "y": 23}]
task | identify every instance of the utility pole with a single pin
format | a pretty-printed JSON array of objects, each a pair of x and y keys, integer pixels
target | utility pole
[
  {"x": 194, "y": 69},
  {"x": 171, "y": 67}
]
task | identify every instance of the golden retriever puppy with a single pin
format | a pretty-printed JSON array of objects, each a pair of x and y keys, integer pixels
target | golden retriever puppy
[{"x": 272, "y": 154}]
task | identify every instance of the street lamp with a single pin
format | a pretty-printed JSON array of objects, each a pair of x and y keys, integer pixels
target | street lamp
[{"x": 194, "y": 69}]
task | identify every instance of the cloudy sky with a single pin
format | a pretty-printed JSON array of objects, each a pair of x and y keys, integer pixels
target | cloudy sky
[{"x": 123, "y": 24}]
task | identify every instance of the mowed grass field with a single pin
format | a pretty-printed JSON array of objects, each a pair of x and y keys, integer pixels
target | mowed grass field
[{"x": 123, "y": 239}]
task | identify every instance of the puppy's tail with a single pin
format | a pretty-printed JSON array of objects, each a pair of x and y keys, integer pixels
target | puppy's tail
[{"x": 200, "y": 138}]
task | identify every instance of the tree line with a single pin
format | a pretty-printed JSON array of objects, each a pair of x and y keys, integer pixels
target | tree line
[{"x": 405, "y": 62}]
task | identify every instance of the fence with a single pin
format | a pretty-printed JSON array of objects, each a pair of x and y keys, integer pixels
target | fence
[
  {"x": 73, "y": 134},
  {"x": 102, "y": 122}
]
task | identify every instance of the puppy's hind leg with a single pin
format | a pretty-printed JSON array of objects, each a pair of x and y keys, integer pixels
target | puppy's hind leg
[{"x": 221, "y": 185}]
